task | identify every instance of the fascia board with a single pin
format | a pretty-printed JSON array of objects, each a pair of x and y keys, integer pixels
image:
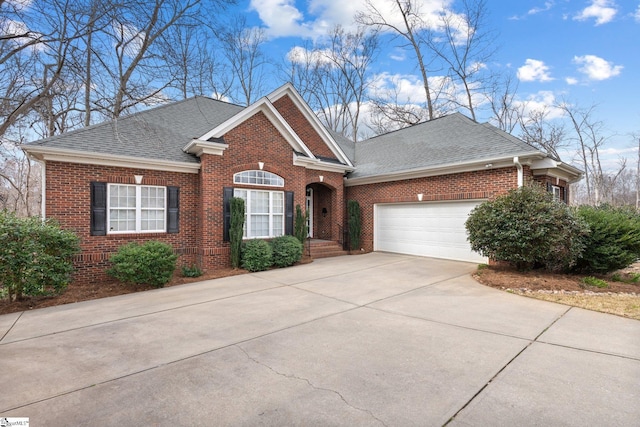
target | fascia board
[
  {"x": 556, "y": 169},
  {"x": 447, "y": 169},
  {"x": 101, "y": 159},
  {"x": 288, "y": 89},
  {"x": 262, "y": 105},
  {"x": 316, "y": 164}
]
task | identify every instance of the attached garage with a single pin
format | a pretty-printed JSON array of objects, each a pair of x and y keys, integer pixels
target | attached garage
[{"x": 425, "y": 229}]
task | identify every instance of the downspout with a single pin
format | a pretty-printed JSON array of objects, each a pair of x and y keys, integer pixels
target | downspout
[
  {"x": 516, "y": 161},
  {"x": 43, "y": 183}
]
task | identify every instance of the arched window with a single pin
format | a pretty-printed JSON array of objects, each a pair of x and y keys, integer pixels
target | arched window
[{"x": 257, "y": 177}]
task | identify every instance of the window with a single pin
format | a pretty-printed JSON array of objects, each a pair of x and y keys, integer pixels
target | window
[
  {"x": 264, "y": 212},
  {"x": 555, "y": 190},
  {"x": 258, "y": 177},
  {"x": 136, "y": 208}
]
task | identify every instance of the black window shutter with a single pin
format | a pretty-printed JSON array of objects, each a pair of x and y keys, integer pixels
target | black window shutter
[
  {"x": 548, "y": 187},
  {"x": 173, "y": 209},
  {"x": 226, "y": 203},
  {"x": 98, "y": 225},
  {"x": 288, "y": 221}
]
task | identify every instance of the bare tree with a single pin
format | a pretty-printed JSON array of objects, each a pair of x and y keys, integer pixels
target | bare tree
[
  {"x": 501, "y": 95},
  {"x": 35, "y": 46},
  {"x": 243, "y": 49},
  {"x": 588, "y": 134},
  {"x": 334, "y": 76},
  {"x": 541, "y": 132},
  {"x": 465, "y": 44},
  {"x": 190, "y": 55},
  {"x": 411, "y": 28}
]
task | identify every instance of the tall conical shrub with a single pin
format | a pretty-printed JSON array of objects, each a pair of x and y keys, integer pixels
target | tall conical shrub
[
  {"x": 355, "y": 223},
  {"x": 235, "y": 230}
]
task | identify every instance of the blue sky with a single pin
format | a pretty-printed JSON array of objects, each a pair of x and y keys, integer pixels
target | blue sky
[{"x": 585, "y": 51}]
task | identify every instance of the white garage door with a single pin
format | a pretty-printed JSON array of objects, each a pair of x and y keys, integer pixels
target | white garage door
[{"x": 425, "y": 229}]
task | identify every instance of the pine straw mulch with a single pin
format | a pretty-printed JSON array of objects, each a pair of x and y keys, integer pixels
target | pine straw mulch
[{"x": 621, "y": 296}]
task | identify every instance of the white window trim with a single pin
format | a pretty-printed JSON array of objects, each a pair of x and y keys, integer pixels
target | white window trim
[
  {"x": 264, "y": 173},
  {"x": 138, "y": 209},
  {"x": 555, "y": 190},
  {"x": 247, "y": 223}
]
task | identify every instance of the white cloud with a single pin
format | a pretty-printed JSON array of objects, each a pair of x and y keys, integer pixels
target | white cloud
[
  {"x": 301, "y": 55},
  {"x": 636, "y": 15},
  {"x": 534, "y": 70},
  {"x": 130, "y": 37},
  {"x": 547, "y": 5},
  {"x": 602, "y": 10},
  {"x": 541, "y": 101},
  {"x": 398, "y": 55},
  {"x": 596, "y": 68},
  {"x": 283, "y": 18},
  {"x": 571, "y": 80}
]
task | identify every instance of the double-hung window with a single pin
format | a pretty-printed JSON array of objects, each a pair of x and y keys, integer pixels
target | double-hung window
[
  {"x": 264, "y": 212},
  {"x": 136, "y": 208}
]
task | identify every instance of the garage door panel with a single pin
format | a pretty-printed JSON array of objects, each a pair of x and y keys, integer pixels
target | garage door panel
[{"x": 425, "y": 229}]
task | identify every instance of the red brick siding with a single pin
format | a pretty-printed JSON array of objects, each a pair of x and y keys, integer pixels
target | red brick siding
[
  {"x": 486, "y": 184},
  {"x": 255, "y": 140},
  {"x": 200, "y": 239},
  {"x": 564, "y": 188},
  {"x": 68, "y": 201},
  {"x": 301, "y": 126}
]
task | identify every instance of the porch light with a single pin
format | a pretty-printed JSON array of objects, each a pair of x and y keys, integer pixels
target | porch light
[
  {"x": 260, "y": 165},
  {"x": 138, "y": 179},
  {"x": 420, "y": 197},
  {"x": 321, "y": 178}
]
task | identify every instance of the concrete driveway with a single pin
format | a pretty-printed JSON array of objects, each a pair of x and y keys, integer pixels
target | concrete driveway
[{"x": 376, "y": 339}]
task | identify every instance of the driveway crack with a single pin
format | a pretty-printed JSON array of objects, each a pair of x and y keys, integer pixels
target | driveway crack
[{"x": 310, "y": 384}]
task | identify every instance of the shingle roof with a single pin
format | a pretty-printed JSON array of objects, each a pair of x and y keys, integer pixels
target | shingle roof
[
  {"x": 159, "y": 133},
  {"x": 347, "y": 146},
  {"x": 452, "y": 139}
]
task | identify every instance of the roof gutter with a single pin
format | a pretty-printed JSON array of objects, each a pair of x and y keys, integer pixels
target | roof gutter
[{"x": 450, "y": 168}]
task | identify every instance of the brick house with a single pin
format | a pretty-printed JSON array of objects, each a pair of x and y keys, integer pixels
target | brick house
[{"x": 168, "y": 173}]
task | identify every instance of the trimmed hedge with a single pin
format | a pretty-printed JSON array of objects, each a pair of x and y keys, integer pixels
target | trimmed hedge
[
  {"x": 256, "y": 255},
  {"x": 151, "y": 263},
  {"x": 287, "y": 250}
]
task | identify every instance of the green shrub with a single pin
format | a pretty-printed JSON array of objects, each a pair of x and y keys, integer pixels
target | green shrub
[
  {"x": 614, "y": 240},
  {"x": 527, "y": 228},
  {"x": 287, "y": 250},
  {"x": 35, "y": 256},
  {"x": 355, "y": 223},
  {"x": 192, "y": 271},
  {"x": 256, "y": 255},
  {"x": 236, "y": 230},
  {"x": 151, "y": 263},
  {"x": 594, "y": 281},
  {"x": 301, "y": 226}
]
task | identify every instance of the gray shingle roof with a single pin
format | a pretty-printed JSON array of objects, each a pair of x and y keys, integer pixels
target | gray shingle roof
[
  {"x": 159, "y": 133},
  {"x": 452, "y": 139},
  {"x": 347, "y": 146}
]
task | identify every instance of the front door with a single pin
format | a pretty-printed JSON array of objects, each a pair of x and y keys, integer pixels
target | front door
[{"x": 310, "y": 212}]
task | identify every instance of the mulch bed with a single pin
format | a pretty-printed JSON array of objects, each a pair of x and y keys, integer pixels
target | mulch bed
[{"x": 507, "y": 278}]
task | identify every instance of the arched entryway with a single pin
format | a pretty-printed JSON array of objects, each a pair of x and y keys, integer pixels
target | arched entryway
[{"x": 323, "y": 214}]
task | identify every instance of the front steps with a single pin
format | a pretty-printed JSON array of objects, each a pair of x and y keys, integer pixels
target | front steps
[{"x": 324, "y": 248}]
